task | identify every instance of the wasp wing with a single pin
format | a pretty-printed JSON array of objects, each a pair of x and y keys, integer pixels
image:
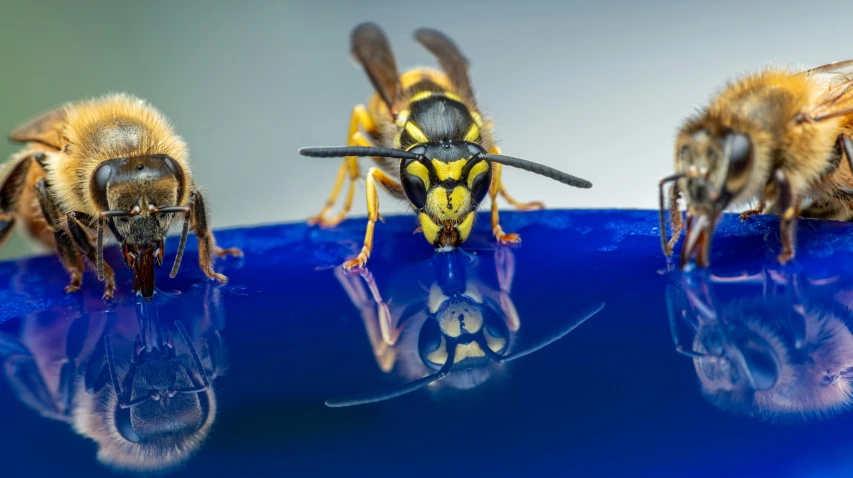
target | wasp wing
[
  {"x": 371, "y": 49},
  {"x": 837, "y": 99},
  {"x": 45, "y": 129},
  {"x": 452, "y": 61}
]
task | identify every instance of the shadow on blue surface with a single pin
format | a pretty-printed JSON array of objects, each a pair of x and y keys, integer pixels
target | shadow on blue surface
[{"x": 613, "y": 397}]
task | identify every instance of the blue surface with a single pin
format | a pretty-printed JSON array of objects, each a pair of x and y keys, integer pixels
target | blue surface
[{"x": 610, "y": 398}]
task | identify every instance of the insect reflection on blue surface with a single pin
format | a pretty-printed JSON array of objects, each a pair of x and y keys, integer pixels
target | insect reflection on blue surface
[
  {"x": 124, "y": 375},
  {"x": 450, "y": 319},
  {"x": 769, "y": 344}
]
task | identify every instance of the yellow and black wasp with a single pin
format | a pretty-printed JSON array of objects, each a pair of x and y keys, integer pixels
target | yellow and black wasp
[{"x": 432, "y": 146}]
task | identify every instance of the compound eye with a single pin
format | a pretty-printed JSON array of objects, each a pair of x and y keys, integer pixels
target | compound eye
[
  {"x": 739, "y": 151},
  {"x": 475, "y": 149},
  {"x": 98, "y": 184},
  {"x": 415, "y": 178},
  {"x": 429, "y": 341},
  {"x": 418, "y": 150},
  {"x": 480, "y": 185}
]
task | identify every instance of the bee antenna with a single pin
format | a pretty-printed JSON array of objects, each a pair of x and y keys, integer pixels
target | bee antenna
[
  {"x": 102, "y": 218},
  {"x": 539, "y": 169},
  {"x": 184, "y": 231},
  {"x": 186, "y": 338},
  {"x": 361, "y": 151},
  {"x": 111, "y": 365},
  {"x": 396, "y": 391},
  {"x": 545, "y": 341}
]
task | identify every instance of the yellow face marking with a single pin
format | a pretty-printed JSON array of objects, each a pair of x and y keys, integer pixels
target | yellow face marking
[
  {"x": 465, "y": 226},
  {"x": 415, "y": 168},
  {"x": 464, "y": 351},
  {"x": 473, "y": 134},
  {"x": 472, "y": 292},
  {"x": 447, "y": 208},
  {"x": 436, "y": 298},
  {"x": 416, "y": 133},
  {"x": 448, "y": 170},
  {"x": 478, "y": 169},
  {"x": 439, "y": 355},
  {"x": 429, "y": 228}
]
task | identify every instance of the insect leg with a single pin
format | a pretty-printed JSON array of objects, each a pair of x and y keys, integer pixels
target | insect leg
[
  {"x": 788, "y": 206},
  {"x": 847, "y": 145},
  {"x": 675, "y": 217},
  {"x": 762, "y": 203},
  {"x": 78, "y": 227},
  {"x": 68, "y": 253},
  {"x": 505, "y": 265},
  {"x": 360, "y": 119},
  {"x": 494, "y": 189},
  {"x": 373, "y": 175},
  {"x": 10, "y": 191},
  {"x": 522, "y": 206},
  {"x": 207, "y": 248}
]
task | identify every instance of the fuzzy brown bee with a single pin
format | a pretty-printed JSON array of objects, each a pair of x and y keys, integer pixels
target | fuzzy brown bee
[
  {"x": 780, "y": 137},
  {"x": 113, "y": 162},
  {"x": 435, "y": 148}
]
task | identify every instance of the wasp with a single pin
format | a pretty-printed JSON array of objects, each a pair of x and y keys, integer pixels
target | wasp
[
  {"x": 120, "y": 378},
  {"x": 111, "y": 163},
  {"x": 431, "y": 145},
  {"x": 778, "y": 136},
  {"x": 765, "y": 355},
  {"x": 459, "y": 330}
]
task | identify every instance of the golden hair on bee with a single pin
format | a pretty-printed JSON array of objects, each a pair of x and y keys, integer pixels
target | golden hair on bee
[
  {"x": 778, "y": 137},
  {"x": 108, "y": 165},
  {"x": 95, "y": 418}
]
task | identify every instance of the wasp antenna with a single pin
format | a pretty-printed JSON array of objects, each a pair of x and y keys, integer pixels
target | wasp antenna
[
  {"x": 547, "y": 340},
  {"x": 361, "y": 151},
  {"x": 394, "y": 392},
  {"x": 540, "y": 169},
  {"x": 186, "y": 337},
  {"x": 180, "y": 255},
  {"x": 387, "y": 394}
]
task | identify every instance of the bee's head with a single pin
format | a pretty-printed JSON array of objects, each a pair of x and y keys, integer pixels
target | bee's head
[
  {"x": 138, "y": 197},
  {"x": 713, "y": 168},
  {"x": 157, "y": 414},
  {"x": 445, "y": 184}
]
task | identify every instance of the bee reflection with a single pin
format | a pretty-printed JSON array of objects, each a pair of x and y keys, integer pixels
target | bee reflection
[
  {"x": 771, "y": 355},
  {"x": 451, "y": 321},
  {"x": 136, "y": 384}
]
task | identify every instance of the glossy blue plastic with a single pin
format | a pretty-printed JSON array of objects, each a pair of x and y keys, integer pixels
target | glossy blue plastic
[{"x": 610, "y": 398}]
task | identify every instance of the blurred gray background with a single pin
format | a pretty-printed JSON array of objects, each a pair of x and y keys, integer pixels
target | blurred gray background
[{"x": 597, "y": 88}]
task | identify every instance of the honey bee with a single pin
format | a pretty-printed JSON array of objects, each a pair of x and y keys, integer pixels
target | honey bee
[
  {"x": 778, "y": 358},
  {"x": 433, "y": 146},
  {"x": 458, "y": 331},
  {"x": 113, "y": 162},
  {"x": 779, "y": 137},
  {"x": 119, "y": 379}
]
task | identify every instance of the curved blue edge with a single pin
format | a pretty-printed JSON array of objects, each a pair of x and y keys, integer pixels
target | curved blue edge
[{"x": 610, "y": 397}]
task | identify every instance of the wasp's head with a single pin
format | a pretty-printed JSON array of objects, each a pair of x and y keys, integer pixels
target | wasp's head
[
  {"x": 445, "y": 185},
  {"x": 714, "y": 169},
  {"x": 139, "y": 197}
]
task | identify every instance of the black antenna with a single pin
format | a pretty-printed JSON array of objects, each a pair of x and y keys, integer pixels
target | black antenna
[
  {"x": 111, "y": 365},
  {"x": 539, "y": 169},
  {"x": 186, "y": 337},
  {"x": 664, "y": 242},
  {"x": 396, "y": 391},
  {"x": 545, "y": 341},
  {"x": 184, "y": 231},
  {"x": 361, "y": 151}
]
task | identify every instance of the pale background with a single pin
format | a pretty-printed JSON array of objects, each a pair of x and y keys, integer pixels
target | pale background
[{"x": 596, "y": 88}]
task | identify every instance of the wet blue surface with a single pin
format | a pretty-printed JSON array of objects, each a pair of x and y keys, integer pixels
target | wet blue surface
[{"x": 613, "y": 397}]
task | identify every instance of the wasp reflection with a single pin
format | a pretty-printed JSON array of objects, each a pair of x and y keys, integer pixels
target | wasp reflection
[
  {"x": 450, "y": 321},
  {"x": 137, "y": 384},
  {"x": 780, "y": 348}
]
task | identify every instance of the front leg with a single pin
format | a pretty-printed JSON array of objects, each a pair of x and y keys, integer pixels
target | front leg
[
  {"x": 754, "y": 212},
  {"x": 494, "y": 190},
  {"x": 208, "y": 251},
  {"x": 374, "y": 175},
  {"x": 788, "y": 206},
  {"x": 78, "y": 227},
  {"x": 10, "y": 191}
]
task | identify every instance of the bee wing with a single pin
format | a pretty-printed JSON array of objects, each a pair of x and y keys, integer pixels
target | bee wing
[
  {"x": 837, "y": 99},
  {"x": 452, "y": 61},
  {"x": 371, "y": 49},
  {"x": 45, "y": 129}
]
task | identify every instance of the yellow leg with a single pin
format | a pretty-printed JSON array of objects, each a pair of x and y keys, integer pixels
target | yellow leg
[
  {"x": 494, "y": 189},
  {"x": 522, "y": 206},
  {"x": 505, "y": 265},
  {"x": 373, "y": 175},
  {"x": 349, "y": 167}
]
